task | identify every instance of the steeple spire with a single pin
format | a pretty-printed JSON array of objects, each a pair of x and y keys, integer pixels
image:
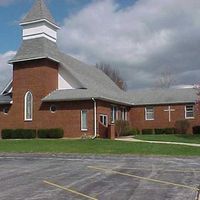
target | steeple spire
[
  {"x": 39, "y": 23},
  {"x": 39, "y": 11}
]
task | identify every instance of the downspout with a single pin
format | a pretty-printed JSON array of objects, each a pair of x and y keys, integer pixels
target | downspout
[{"x": 95, "y": 118}]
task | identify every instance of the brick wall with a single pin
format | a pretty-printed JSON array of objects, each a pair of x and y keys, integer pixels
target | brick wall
[
  {"x": 105, "y": 109},
  {"x": 161, "y": 118},
  {"x": 41, "y": 77}
]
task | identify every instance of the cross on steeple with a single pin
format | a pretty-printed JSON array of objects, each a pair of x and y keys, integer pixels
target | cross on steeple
[{"x": 169, "y": 110}]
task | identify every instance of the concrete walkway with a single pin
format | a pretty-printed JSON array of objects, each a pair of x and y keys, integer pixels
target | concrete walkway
[{"x": 131, "y": 139}]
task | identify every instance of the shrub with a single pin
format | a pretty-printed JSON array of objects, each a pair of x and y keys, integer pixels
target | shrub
[
  {"x": 182, "y": 126},
  {"x": 170, "y": 130},
  {"x": 196, "y": 129},
  {"x": 50, "y": 133},
  {"x": 18, "y": 133},
  {"x": 131, "y": 131},
  {"x": 159, "y": 131},
  {"x": 147, "y": 131},
  {"x": 6, "y": 134},
  {"x": 165, "y": 131},
  {"x": 120, "y": 127}
]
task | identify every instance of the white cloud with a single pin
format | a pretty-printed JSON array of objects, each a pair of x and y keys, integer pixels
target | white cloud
[
  {"x": 142, "y": 40},
  {"x": 5, "y": 68}
]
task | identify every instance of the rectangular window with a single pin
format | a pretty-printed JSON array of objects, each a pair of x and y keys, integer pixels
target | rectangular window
[
  {"x": 83, "y": 120},
  {"x": 124, "y": 114},
  {"x": 149, "y": 113},
  {"x": 114, "y": 114},
  {"x": 189, "y": 112},
  {"x": 104, "y": 119}
]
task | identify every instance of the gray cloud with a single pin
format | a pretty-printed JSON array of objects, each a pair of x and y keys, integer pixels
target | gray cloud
[{"x": 141, "y": 40}]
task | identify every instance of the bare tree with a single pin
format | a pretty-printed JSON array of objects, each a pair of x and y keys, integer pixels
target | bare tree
[
  {"x": 166, "y": 80},
  {"x": 113, "y": 74},
  {"x": 197, "y": 89},
  {"x": 198, "y": 193}
]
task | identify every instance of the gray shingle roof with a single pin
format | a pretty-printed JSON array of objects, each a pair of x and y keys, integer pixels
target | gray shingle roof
[
  {"x": 95, "y": 83},
  {"x": 98, "y": 84},
  {"x": 162, "y": 96},
  {"x": 38, "y": 11},
  {"x": 88, "y": 76},
  {"x": 80, "y": 94},
  {"x": 5, "y": 99},
  {"x": 37, "y": 48},
  {"x": 70, "y": 95},
  {"x": 7, "y": 89}
]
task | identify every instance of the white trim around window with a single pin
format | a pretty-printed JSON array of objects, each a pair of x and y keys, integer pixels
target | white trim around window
[
  {"x": 104, "y": 119},
  {"x": 28, "y": 106},
  {"x": 124, "y": 114},
  {"x": 113, "y": 114},
  {"x": 84, "y": 126},
  {"x": 189, "y": 112},
  {"x": 149, "y": 113}
]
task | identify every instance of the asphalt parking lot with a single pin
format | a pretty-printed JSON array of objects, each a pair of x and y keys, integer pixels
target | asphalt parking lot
[{"x": 50, "y": 177}]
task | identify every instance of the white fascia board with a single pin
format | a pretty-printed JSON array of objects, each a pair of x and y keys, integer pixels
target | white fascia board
[
  {"x": 37, "y": 21},
  {"x": 39, "y": 35},
  {"x": 29, "y": 59},
  {"x": 88, "y": 98},
  {"x": 115, "y": 101},
  {"x": 40, "y": 29},
  {"x": 72, "y": 99},
  {"x": 165, "y": 103}
]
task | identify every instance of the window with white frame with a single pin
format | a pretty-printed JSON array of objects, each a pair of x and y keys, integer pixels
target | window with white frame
[
  {"x": 28, "y": 106},
  {"x": 189, "y": 111},
  {"x": 113, "y": 114},
  {"x": 124, "y": 114},
  {"x": 104, "y": 119},
  {"x": 149, "y": 113},
  {"x": 84, "y": 120}
]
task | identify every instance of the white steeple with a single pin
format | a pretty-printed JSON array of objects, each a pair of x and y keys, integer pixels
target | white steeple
[{"x": 39, "y": 23}]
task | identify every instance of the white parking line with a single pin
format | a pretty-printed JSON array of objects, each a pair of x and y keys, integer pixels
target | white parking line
[
  {"x": 144, "y": 178},
  {"x": 69, "y": 190}
]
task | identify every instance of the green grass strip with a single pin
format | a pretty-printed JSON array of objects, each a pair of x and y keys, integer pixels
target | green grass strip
[
  {"x": 171, "y": 138},
  {"x": 95, "y": 147}
]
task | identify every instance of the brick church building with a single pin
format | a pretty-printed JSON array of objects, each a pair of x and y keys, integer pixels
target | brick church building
[{"x": 52, "y": 90}]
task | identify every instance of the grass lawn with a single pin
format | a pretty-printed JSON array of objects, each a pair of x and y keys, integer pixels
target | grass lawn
[
  {"x": 97, "y": 146},
  {"x": 171, "y": 138}
]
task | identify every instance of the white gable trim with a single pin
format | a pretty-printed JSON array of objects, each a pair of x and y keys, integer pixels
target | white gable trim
[{"x": 66, "y": 80}]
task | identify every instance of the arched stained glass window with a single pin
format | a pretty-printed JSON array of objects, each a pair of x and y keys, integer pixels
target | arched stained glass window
[{"x": 28, "y": 106}]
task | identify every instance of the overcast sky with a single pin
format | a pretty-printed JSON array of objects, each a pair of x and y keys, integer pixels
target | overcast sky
[{"x": 142, "y": 38}]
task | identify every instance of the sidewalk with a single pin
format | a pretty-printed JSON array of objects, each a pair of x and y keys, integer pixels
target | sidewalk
[{"x": 131, "y": 139}]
